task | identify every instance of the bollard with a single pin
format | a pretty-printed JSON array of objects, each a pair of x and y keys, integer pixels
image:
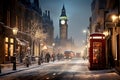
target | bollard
[
  {"x": 14, "y": 63},
  {"x": 39, "y": 61},
  {"x": 27, "y": 65}
]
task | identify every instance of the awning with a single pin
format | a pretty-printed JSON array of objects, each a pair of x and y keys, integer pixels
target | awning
[{"x": 22, "y": 42}]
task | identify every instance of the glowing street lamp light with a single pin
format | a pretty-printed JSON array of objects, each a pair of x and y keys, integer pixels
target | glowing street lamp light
[
  {"x": 53, "y": 44},
  {"x": 114, "y": 18},
  {"x": 15, "y": 30},
  {"x": 84, "y": 31}
]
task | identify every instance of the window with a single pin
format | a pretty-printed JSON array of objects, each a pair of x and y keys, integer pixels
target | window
[
  {"x": 6, "y": 49},
  {"x": 97, "y": 51},
  {"x": 11, "y": 50},
  {"x": 11, "y": 40},
  {"x": 9, "y": 46},
  {"x": 6, "y": 39}
]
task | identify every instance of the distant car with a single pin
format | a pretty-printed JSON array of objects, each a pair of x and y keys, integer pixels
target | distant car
[{"x": 68, "y": 54}]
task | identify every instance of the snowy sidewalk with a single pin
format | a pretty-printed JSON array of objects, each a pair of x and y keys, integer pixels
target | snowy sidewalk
[{"x": 8, "y": 68}]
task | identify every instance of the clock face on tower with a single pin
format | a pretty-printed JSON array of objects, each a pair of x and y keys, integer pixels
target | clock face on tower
[{"x": 62, "y": 21}]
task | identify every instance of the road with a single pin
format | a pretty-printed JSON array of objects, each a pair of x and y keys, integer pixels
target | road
[{"x": 75, "y": 69}]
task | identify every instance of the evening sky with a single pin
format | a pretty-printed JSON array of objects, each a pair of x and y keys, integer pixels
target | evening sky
[{"x": 78, "y": 13}]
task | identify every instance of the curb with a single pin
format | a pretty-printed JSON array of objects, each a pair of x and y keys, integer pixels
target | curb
[{"x": 14, "y": 71}]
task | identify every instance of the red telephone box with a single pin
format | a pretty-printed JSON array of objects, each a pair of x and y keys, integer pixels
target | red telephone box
[{"x": 97, "y": 56}]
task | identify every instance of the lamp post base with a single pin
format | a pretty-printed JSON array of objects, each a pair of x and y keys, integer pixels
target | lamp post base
[
  {"x": 39, "y": 61},
  {"x": 14, "y": 65}
]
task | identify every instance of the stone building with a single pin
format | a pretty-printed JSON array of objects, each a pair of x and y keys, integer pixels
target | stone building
[
  {"x": 48, "y": 27},
  {"x": 101, "y": 21},
  {"x": 23, "y": 15}
]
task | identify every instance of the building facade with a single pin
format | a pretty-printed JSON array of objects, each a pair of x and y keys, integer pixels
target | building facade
[
  {"x": 102, "y": 21},
  {"x": 48, "y": 27},
  {"x": 27, "y": 17}
]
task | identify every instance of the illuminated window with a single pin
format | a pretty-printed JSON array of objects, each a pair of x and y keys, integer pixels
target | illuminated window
[
  {"x": 36, "y": 50},
  {"x": 97, "y": 51},
  {"x": 11, "y": 50},
  {"x": 6, "y": 49},
  {"x": 11, "y": 40},
  {"x": 6, "y": 39}
]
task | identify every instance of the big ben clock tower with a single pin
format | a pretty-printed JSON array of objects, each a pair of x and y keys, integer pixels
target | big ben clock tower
[{"x": 63, "y": 26}]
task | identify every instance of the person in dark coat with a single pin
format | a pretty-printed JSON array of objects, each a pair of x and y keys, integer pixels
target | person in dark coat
[
  {"x": 27, "y": 61},
  {"x": 47, "y": 56},
  {"x": 58, "y": 56},
  {"x": 53, "y": 57}
]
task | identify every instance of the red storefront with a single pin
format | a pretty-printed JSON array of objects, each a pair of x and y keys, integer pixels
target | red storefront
[{"x": 97, "y": 56}]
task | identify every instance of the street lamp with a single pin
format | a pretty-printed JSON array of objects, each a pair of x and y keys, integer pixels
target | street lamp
[
  {"x": 15, "y": 30},
  {"x": 53, "y": 44},
  {"x": 40, "y": 57},
  {"x": 117, "y": 17},
  {"x": 116, "y": 20},
  {"x": 85, "y": 31},
  {"x": 53, "y": 55}
]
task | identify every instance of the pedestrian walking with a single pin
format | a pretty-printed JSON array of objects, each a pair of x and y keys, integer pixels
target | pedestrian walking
[
  {"x": 21, "y": 56},
  {"x": 47, "y": 57},
  {"x": 53, "y": 57},
  {"x": 42, "y": 57},
  {"x": 58, "y": 56},
  {"x": 27, "y": 61},
  {"x": 39, "y": 60}
]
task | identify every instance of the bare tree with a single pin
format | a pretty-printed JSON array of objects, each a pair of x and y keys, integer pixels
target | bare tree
[{"x": 36, "y": 33}]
